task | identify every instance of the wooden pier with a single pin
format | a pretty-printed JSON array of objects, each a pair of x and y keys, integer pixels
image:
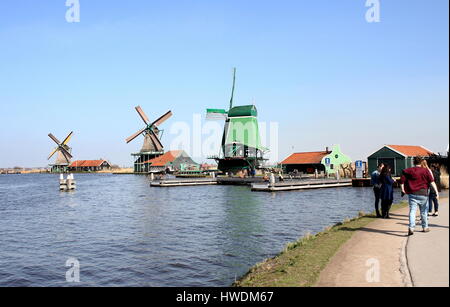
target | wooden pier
[
  {"x": 183, "y": 182},
  {"x": 257, "y": 184},
  {"x": 239, "y": 181},
  {"x": 361, "y": 182},
  {"x": 301, "y": 185}
]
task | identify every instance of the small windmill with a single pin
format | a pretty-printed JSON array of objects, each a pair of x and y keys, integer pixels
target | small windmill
[
  {"x": 152, "y": 146},
  {"x": 64, "y": 153}
]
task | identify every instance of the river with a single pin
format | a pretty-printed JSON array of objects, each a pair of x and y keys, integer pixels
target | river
[{"x": 124, "y": 233}]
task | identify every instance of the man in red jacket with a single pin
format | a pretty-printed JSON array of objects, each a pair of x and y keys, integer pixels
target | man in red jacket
[{"x": 416, "y": 182}]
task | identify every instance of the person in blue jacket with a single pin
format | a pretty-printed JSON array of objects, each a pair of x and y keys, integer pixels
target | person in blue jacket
[{"x": 387, "y": 191}]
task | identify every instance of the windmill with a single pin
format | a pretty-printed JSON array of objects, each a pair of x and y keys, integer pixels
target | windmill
[
  {"x": 64, "y": 153},
  {"x": 152, "y": 146},
  {"x": 241, "y": 143}
]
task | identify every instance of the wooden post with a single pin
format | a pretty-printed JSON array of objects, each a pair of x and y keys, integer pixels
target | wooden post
[{"x": 272, "y": 180}]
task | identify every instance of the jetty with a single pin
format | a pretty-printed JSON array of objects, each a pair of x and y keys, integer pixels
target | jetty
[
  {"x": 300, "y": 185},
  {"x": 206, "y": 181},
  {"x": 184, "y": 182},
  {"x": 239, "y": 181},
  {"x": 361, "y": 182},
  {"x": 257, "y": 184}
]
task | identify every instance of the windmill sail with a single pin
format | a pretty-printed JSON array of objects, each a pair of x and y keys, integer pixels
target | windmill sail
[
  {"x": 215, "y": 114},
  {"x": 232, "y": 90}
]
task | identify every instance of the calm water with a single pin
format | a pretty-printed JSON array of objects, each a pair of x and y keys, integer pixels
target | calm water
[{"x": 125, "y": 233}]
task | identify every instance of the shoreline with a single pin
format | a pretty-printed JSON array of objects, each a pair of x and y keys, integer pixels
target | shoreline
[{"x": 301, "y": 263}]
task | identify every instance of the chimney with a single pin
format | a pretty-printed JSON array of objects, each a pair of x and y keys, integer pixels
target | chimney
[{"x": 327, "y": 149}]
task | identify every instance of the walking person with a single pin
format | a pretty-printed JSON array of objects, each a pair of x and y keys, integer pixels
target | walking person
[
  {"x": 424, "y": 164},
  {"x": 374, "y": 180},
  {"x": 433, "y": 200},
  {"x": 386, "y": 191},
  {"x": 415, "y": 182}
]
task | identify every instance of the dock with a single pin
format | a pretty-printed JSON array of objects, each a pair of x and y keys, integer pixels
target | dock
[
  {"x": 257, "y": 184},
  {"x": 239, "y": 181},
  {"x": 361, "y": 182},
  {"x": 301, "y": 185},
  {"x": 183, "y": 182},
  {"x": 179, "y": 182}
]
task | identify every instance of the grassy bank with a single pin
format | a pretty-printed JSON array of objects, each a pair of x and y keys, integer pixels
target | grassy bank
[{"x": 301, "y": 262}]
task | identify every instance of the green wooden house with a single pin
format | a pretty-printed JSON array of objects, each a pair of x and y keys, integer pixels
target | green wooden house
[
  {"x": 399, "y": 157},
  {"x": 326, "y": 161}
]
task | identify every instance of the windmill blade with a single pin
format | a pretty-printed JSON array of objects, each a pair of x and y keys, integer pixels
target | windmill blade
[
  {"x": 232, "y": 90},
  {"x": 216, "y": 114},
  {"x": 67, "y": 139},
  {"x": 142, "y": 114},
  {"x": 54, "y": 151},
  {"x": 128, "y": 140},
  {"x": 162, "y": 119},
  {"x": 156, "y": 141},
  {"x": 54, "y": 139}
]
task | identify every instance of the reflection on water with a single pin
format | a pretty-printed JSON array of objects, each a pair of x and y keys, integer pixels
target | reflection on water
[{"x": 125, "y": 233}]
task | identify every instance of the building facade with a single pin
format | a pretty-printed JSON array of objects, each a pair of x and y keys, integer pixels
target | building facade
[
  {"x": 89, "y": 166},
  {"x": 172, "y": 161},
  {"x": 399, "y": 157},
  {"x": 328, "y": 161}
]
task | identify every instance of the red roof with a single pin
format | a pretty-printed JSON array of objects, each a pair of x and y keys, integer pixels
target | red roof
[
  {"x": 87, "y": 163},
  {"x": 411, "y": 151},
  {"x": 165, "y": 159},
  {"x": 306, "y": 158}
]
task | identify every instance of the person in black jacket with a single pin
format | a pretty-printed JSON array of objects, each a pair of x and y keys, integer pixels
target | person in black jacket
[
  {"x": 433, "y": 194},
  {"x": 387, "y": 191},
  {"x": 374, "y": 180}
]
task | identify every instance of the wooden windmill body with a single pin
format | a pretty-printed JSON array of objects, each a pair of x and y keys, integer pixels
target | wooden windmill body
[{"x": 152, "y": 146}]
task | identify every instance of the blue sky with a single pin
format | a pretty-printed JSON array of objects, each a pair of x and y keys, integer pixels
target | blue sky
[{"x": 314, "y": 66}]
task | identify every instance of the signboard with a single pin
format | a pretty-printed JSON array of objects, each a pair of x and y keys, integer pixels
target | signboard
[
  {"x": 327, "y": 161},
  {"x": 359, "y": 169}
]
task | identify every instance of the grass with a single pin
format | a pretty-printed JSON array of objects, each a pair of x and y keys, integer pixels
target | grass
[{"x": 300, "y": 263}]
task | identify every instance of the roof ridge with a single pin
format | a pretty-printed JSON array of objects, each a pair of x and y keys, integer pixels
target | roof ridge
[
  {"x": 407, "y": 150},
  {"x": 305, "y": 152}
]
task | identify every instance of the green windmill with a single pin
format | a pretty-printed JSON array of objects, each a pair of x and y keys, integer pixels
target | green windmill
[{"x": 241, "y": 142}]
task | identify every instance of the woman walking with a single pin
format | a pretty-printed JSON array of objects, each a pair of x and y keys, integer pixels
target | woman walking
[
  {"x": 433, "y": 200},
  {"x": 387, "y": 191}
]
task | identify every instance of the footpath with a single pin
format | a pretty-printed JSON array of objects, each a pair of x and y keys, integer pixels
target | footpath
[{"x": 382, "y": 255}]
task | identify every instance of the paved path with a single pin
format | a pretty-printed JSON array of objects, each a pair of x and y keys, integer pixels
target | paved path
[
  {"x": 428, "y": 253},
  {"x": 381, "y": 255}
]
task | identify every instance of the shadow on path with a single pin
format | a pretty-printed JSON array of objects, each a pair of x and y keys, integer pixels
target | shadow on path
[{"x": 372, "y": 230}]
